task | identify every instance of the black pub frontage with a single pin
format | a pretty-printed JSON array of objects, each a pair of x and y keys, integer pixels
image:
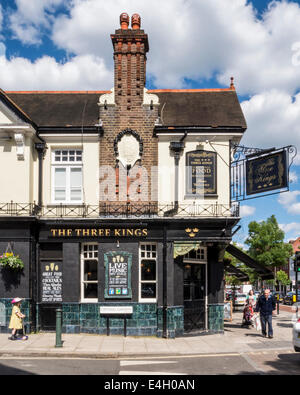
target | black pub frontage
[
  {"x": 145, "y": 276},
  {"x": 168, "y": 273}
]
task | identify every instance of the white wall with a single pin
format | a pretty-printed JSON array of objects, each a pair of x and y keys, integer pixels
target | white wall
[
  {"x": 167, "y": 170},
  {"x": 17, "y": 182}
]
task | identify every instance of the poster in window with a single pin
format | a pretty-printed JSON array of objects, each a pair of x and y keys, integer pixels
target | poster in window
[
  {"x": 51, "y": 282},
  {"x": 201, "y": 173},
  {"x": 266, "y": 173},
  {"x": 118, "y": 274}
]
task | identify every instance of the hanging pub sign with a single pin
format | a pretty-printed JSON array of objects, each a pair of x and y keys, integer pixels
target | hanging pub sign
[
  {"x": 266, "y": 173},
  {"x": 201, "y": 173},
  {"x": 118, "y": 274},
  {"x": 51, "y": 282}
]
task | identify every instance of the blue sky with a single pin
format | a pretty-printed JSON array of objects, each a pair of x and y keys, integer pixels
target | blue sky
[{"x": 65, "y": 45}]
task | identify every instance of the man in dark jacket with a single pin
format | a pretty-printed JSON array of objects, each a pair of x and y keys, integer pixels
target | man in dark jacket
[{"x": 266, "y": 305}]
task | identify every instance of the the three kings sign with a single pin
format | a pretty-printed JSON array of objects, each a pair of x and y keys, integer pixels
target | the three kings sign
[{"x": 266, "y": 173}]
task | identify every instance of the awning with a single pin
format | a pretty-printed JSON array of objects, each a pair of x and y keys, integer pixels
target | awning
[
  {"x": 262, "y": 271},
  {"x": 184, "y": 248},
  {"x": 234, "y": 271}
]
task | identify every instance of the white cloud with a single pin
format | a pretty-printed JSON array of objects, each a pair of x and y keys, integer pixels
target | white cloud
[
  {"x": 190, "y": 39},
  {"x": 289, "y": 201},
  {"x": 2, "y": 49},
  {"x": 30, "y": 17},
  {"x": 85, "y": 72},
  {"x": 204, "y": 39},
  {"x": 273, "y": 119},
  {"x": 246, "y": 211},
  {"x": 1, "y": 16},
  {"x": 266, "y": 60},
  {"x": 293, "y": 176},
  {"x": 288, "y": 198},
  {"x": 293, "y": 229}
]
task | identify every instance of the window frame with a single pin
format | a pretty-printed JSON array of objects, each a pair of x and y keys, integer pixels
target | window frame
[
  {"x": 82, "y": 280},
  {"x": 68, "y": 166},
  {"x": 141, "y": 299}
]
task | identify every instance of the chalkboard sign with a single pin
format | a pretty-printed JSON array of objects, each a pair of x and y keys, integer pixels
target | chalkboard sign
[
  {"x": 2, "y": 314},
  {"x": 51, "y": 282},
  {"x": 266, "y": 173},
  {"x": 201, "y": 173},
  {"x": 118, "y": 274},
  {"x": 228, "y": 311}
]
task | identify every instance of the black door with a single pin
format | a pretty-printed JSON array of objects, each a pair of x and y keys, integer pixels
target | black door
[{"x": 194, "y": 297}]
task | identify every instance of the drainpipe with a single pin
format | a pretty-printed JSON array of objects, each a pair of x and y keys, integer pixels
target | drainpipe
[
  {"x": 41, "y": 150},
  {"x": 176, "y": 147},
  {"x": 165, "y": 282}
]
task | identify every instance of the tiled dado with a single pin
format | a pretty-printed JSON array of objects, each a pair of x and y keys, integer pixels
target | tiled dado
[
  {"x": 86, "y": 318},
  {"x": 216, "y": 318},
  {"x": 146, "y": 320},
  {"x": 175, "y": 321},
  {"x": 5, "y": 314}
]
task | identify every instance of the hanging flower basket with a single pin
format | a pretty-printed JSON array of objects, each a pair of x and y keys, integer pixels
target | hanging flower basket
[{"x": 10, "y": 261}]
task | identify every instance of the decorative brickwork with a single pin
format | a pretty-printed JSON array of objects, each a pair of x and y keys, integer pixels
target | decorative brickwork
[{"x": 128, "y": 112}]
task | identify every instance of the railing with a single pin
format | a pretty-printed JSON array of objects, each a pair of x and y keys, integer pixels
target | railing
[{"x": 122, "y": 210}]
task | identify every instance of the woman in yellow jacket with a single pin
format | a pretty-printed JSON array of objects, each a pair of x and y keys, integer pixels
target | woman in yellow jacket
[{"x": 16, "y": 319}]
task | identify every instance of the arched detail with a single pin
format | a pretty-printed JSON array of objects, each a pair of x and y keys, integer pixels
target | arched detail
[{"x": 129, "y": 132}]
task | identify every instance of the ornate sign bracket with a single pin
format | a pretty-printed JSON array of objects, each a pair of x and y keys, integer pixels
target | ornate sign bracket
[{"x": 257, "y": 172}]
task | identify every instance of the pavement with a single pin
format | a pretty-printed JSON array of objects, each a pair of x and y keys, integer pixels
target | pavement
[{"x": 234, "y": 340}]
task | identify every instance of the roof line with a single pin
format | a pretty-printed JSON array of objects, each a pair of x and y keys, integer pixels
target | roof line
[
  {"x": 191, "y": 90},
  {"x": 19, "y": 109},
  {"x": 150, "y": 91},
  {"x": 67, "y": 92}
]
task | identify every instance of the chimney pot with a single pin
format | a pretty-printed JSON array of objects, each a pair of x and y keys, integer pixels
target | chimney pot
[
  {"x": 124, "y": 21},
  {"x": 135, "y": 21}
]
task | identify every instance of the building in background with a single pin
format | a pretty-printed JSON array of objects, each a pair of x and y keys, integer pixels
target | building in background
[{"x": 291, "y": 273}]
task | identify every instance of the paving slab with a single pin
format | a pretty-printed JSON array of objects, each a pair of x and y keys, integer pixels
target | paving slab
[{"x": 234, "y": 340}]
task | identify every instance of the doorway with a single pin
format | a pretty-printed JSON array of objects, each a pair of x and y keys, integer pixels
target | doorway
[{"x": 195, "y": 311}]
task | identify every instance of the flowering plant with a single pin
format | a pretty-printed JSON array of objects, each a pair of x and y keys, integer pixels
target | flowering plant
[{"x": 11, "y": 261}]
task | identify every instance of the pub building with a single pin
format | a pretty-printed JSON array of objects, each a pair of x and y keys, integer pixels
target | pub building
[{"x": 118, "y": 202}]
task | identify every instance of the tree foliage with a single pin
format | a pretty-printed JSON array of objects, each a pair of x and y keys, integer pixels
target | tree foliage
[
  {"x": 282, "y": 277},
  {"x": 266, "y": 243}
]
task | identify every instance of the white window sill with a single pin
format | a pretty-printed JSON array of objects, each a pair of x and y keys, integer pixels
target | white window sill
[
  {"x": 65, "y": 204},
  {"x": 147, "y": 300},
  {"x": 89, "y": 301}
]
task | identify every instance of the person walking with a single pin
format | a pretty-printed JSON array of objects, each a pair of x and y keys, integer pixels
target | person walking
[
  {"x": 265, "y": 306},
  {"x": 16, "y": 320},
  {"x": 251, "y": 299}
]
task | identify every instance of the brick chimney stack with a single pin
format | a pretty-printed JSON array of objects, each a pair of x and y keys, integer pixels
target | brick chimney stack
[
  {"x": 130, "y": 48},
  {"x": 128, "y": 114}
]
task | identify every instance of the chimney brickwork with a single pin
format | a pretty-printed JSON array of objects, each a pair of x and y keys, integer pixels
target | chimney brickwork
[{"x": 125, "y": 111}]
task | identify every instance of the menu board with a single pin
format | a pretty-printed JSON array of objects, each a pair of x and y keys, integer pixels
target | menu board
[
  {"x": 228, "y": 310},
  {"x": 51, "y": 282},
  {"x": 201, "y": 174},
  {"x": 118, "y": 274},
  {"x": 2, "y": 314}
]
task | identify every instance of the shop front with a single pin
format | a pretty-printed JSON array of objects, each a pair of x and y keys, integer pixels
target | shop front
[{"x": 171, "y": 282}]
